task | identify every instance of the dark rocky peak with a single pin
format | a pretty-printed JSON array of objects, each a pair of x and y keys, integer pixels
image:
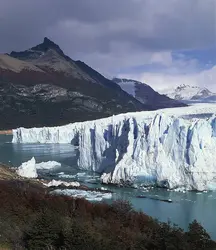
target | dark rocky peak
[
  {"x": 184, "y": 86},
  {"x": 46, "y": 45},
  {"x": 39, "y": 50},
  {"x": 97, "y": 76}
]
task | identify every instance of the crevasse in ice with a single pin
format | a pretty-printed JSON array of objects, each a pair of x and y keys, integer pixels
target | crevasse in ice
[{"x": 144, "y": 147}]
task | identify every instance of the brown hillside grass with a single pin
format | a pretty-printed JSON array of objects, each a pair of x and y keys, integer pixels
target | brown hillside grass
[{"x": 30, "y": 218}]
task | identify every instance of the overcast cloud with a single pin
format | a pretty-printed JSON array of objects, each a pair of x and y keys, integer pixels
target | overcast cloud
[{"x": 116, "y": 35}]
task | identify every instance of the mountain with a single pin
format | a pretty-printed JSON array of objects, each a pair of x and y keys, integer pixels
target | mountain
[
  {"x": 190, "y": 93},
  {"x": 145, "y": 94},
  {"x": 42, "y": 86}
]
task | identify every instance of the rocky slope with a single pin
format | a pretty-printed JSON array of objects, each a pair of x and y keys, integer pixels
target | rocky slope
[
  {"x": 145, "y": 94},
  {"x": 42, "y": 86}
]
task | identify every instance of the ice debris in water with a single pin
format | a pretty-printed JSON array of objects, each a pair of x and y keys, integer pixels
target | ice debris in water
[
  {"x": 88, "y": 195},
  {"x": 29, "y": 169},
  {"x": 151, "y": 148},
  {"x": 48, "y": 165},
  {"x": 57, "y": 183}
]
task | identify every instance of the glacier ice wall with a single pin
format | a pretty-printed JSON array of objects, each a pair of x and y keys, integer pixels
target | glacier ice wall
[{"x": 138, "y": 147}]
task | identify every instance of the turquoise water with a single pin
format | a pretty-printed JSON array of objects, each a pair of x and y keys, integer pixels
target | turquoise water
[{"x": 185, "y": 207}]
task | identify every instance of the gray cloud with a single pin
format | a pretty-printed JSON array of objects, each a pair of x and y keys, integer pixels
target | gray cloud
[{"x": 108, "y": 34}]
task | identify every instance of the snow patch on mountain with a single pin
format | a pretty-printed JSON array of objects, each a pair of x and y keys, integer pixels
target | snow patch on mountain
[
  {"x": 128, "y": 86},
  {"x": 149, "y": 148},
  {"x": 145, "y": 94},
  {"x": 186, "y": 92}
]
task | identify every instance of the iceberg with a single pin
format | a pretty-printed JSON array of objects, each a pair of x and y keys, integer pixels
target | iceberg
[
  {"x": 29, "y": 169},
  {"x": 156, "y": 148},
  {"x": 47, "y": 165}
]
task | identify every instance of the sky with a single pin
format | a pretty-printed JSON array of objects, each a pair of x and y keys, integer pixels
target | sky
[{"x": 164, "y": 43}]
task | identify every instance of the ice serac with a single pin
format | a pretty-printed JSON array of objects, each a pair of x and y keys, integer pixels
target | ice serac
[
  {"x": 28, "y": 169},
  {"x": 145, "y": 148}
]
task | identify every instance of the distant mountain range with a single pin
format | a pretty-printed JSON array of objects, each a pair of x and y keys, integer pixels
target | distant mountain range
[
  {"x": 145, "y": 94},
  {"x": 42, "y": 86},
  {"x": 190, "y": 93}
]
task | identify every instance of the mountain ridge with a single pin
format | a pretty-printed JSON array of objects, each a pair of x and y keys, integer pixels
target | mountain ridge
[
  {"x": 189, "y": 93},
  {"x": 58, "y": 91},
  {"x": 145, "y": 94}
]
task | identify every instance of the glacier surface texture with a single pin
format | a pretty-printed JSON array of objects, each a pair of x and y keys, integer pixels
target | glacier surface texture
[{"x": 149, "y": 148}]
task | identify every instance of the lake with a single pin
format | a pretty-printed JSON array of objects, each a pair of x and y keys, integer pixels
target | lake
[{"x": 185, "y": 206}]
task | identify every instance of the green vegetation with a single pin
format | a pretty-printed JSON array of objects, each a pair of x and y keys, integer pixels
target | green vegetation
[{"x": 30, "y": 218}]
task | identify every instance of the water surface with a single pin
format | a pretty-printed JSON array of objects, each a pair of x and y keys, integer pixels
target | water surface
[{"x": 185, "y": 207}]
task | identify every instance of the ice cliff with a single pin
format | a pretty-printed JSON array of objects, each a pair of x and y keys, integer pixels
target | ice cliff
[{"x": 145, "y": 148}]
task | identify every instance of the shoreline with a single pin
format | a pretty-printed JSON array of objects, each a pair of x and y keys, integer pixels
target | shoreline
[{"x": 6, "y": 132}]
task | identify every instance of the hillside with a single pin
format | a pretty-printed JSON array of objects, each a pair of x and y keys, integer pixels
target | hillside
[
  {"x": 42, "y": 86},
  {"x": 146, "y": 95},
  {"x": 30, "y": 218}
]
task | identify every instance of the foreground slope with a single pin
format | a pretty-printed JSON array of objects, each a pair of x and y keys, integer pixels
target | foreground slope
[
  {"x": 145, "y": 94},
  {"x": 44, "y": 87},
  {"x": 33, "y": 219},
  {"x": 150, "y": 148}
]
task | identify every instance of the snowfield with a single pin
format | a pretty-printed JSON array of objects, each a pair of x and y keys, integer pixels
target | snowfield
[
  {"x": 151, "y": 148},
  {"x": 187, "y": 92}
]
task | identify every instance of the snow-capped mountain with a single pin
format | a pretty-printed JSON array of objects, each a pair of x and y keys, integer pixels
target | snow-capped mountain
[
  {"x": 149, "y": 148},
  {"x": 145, "y": 94},
  {"x": 186, "y": 93}
]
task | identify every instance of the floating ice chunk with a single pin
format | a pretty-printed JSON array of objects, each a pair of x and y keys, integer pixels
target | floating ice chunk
[
  {"x": 57, "y": 183},
  {"x": 28, "y": 169},
  {"x": 67, "y": 176},
  {"x": 88, "y": 195},
  {"x": 48, "y": 165},
  {"x": 179, "y": 189}
]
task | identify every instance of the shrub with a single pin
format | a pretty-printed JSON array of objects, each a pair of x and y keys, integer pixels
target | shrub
[{"x": 32, "y": 219}]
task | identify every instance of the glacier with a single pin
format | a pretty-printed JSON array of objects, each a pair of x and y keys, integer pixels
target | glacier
[{"x": 150, "y": 148}]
